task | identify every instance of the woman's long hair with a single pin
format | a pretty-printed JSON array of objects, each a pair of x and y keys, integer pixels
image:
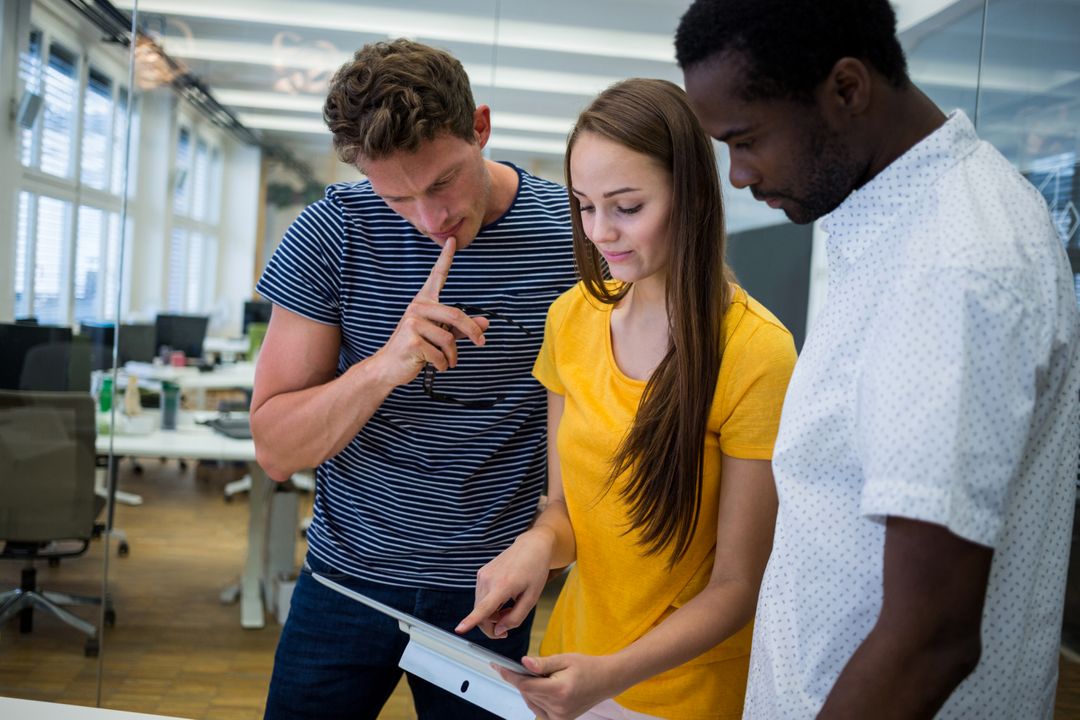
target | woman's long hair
[{"x": 664, "y": 450}]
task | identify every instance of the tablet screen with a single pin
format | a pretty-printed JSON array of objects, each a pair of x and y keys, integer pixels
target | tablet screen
[{"x": 481, "y": 656}]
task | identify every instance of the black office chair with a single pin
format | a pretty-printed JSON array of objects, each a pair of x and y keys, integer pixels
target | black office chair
[{"x": 48, "y": 507}]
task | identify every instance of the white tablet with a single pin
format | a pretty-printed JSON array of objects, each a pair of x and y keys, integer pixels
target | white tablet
[{"x": 451, "y": 662}]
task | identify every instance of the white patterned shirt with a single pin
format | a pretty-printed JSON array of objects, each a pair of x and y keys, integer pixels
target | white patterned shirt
[{"x": 940, "y": 383}]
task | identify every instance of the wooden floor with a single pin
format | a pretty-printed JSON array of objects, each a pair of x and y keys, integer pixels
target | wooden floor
[{"x": 175, "y": 649}]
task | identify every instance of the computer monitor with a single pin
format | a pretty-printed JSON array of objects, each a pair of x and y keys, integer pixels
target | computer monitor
[
  {"x": 256, "y": 311},
  {"x": 43, "y": 357},
  {"x": 137, "y": 342},
  {"x": 100, "y": 336},
  {"x": 181, "y": 332}
]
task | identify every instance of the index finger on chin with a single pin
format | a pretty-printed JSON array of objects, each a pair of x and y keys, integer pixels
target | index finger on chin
[{"x": 439, "y": 272}]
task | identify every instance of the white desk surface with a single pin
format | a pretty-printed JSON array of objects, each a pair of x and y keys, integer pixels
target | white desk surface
[
  {"x": 189, "y": 441},
  {"x": 12, "y": 709},
  {"x": 239, "y": 375},
  {"x": 226, "y": 345}
]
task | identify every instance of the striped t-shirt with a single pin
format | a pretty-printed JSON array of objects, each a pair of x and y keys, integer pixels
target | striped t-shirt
[{"x": 428, "y": 492}]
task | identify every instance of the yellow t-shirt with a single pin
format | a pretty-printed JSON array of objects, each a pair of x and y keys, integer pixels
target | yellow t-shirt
[{"x": 615, "y": 593}]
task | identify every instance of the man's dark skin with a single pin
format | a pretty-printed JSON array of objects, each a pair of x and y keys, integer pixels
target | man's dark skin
[{"x": 806, "y": 159}]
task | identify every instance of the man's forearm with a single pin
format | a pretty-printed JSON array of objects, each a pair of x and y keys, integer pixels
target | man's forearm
[
  {"x": 301, "y": 429},
  {"x": 893, "y": 676}
]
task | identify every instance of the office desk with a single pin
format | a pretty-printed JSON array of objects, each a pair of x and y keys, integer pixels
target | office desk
[
  {"x": 13, "y": 709},
  {"x": 238, "y": 376},
  {"x": 198, "y": 442},
  {"x": 226, "y": 347}
]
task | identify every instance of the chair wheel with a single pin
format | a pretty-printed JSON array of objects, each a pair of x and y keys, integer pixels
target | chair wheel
[
  {"x": 228, "y": 498},
  {"x": 92, "y": 648},
  {"x": 54, "y": 562},
  {"x": 123, "y": 549},
  {"x": 110, "y": 618}
]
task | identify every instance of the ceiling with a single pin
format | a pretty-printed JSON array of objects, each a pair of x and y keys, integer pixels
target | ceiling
[{"x": 538, "y": 63}]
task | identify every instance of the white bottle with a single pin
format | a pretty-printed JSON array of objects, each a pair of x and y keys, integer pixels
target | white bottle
[{"x": 132, "y": 405}]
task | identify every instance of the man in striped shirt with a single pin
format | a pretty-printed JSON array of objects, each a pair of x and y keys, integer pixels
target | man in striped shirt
[{"x": 430, "y": 453}]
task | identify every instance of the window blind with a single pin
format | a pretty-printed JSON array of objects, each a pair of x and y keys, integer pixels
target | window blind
[
  {"x": 53, "y": 218},
  {"x": 90, "y": 232},
  {"x": 22, "y": 241},
  {"x": 177, "y": 270},
  {"x": 182, "y": 192},
  {"x": 97, "y": 129},
  {"x": 30, "y": 73},
  {"x": 195, "y": 278},
  {"x": 61, "y": 90}
]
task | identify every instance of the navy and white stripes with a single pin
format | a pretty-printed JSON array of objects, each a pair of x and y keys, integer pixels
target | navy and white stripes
[{"x": 428, "y": 492}]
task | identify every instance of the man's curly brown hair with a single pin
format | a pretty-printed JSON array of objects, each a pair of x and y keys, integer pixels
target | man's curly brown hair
[{"x": 394, "y": 95}]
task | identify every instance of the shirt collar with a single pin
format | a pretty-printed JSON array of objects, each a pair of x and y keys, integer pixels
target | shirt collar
[{"x": 872, "y": 207}]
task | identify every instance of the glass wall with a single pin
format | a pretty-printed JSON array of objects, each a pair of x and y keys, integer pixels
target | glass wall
[
  {"x": 65, "y": 192},
  {"x": 1029, "y": 101}
]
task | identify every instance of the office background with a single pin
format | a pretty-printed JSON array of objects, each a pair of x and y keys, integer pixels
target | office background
[{"x": 222, "y": 108}]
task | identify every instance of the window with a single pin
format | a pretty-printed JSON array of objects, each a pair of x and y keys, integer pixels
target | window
[
  {"x": 91, "y": 260},
  {"x": 40, "y": 257},
  {"x": 112, "y": 277},
  {"x": 214, "y": 187},
  {"x": 182, "y": 192},
  {"x": 196, "y": 279},
  {"x": 97, "y": 130},
  {"x": 120, "y": 108},
  {"x": 22, "y": 242},
  {"x": 61, "y": 89},
  {"x": 50, "y": 255},
  {"x": 196, "y": 213},
  {"x": 30, "y": 73},
  {"x": 67, "y": 260},
  {"x": 174, "y": 301},
  {"x": 200, "y": 198}
]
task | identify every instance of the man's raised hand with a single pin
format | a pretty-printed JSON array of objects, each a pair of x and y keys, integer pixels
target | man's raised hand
[{"x": 428, "y": 331}]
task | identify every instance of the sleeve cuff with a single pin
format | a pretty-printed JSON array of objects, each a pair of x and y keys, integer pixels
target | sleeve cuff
[
  {"x": 290, "y": 303},
  {"x": 931, "y": 505}
]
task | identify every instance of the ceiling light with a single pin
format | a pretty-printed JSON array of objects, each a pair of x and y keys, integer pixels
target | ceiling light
[
  {"x": 313, "y": 104},
  {"x": 481, "y": 75},
  {"x": 405, "y": 22}
]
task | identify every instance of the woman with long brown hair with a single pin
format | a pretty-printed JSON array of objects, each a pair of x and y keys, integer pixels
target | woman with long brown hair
[{"x": 665, "y": 382}]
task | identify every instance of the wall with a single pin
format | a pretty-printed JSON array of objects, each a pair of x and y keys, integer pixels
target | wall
[{"x": 773, "y": 265}]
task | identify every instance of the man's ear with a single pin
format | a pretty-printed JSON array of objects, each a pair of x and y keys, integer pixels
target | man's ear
[
  {"x": 847, "y": 89},
  {"x": 482, "y": 125}
]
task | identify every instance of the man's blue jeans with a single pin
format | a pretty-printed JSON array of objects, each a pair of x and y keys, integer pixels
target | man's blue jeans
[{"x": 338, "y": 658}]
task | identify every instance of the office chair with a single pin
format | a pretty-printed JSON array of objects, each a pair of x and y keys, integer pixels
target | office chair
[{"x": 48, "y": 506}]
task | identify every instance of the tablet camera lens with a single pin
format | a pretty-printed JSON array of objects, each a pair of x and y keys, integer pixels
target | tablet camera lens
[{"x": 464, "y": 686}]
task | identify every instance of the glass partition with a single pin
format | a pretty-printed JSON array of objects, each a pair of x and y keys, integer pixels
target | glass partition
[
  {"x": 65, "y": 248},
  {"x": 1028, "y": 106}
]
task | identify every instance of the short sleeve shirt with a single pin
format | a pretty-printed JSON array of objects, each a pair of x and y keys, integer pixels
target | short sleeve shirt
[
  {"x": 428, "y": 492},
  {"x": 940, "y": 383},
  {"x": 615, "y": 593}
]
